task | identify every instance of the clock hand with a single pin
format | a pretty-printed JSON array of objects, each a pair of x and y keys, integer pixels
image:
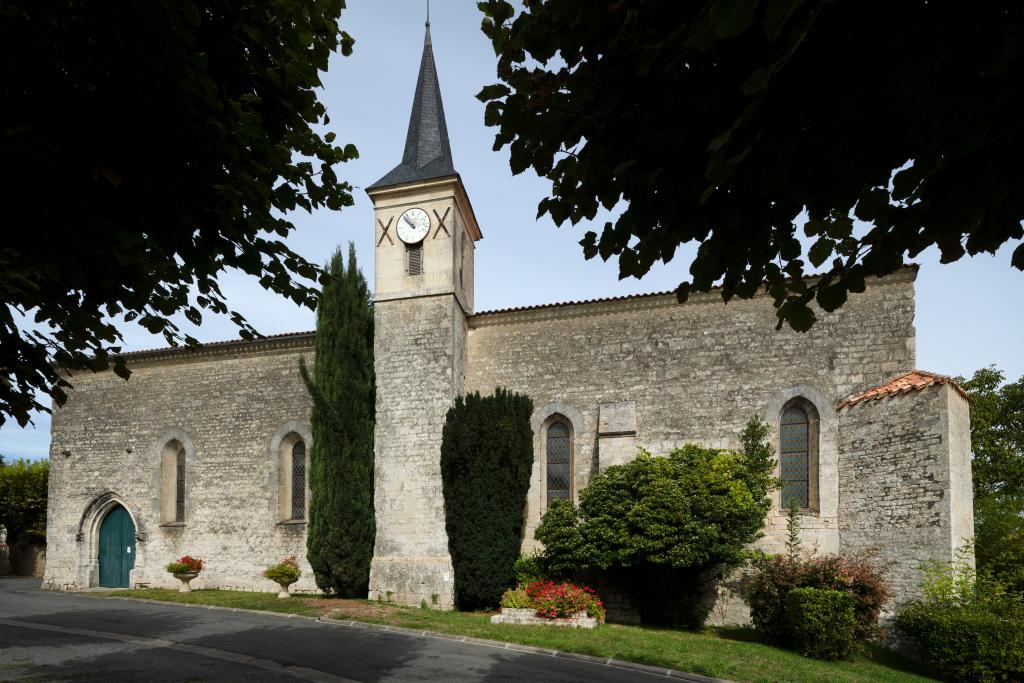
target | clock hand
[{"x": 408, "y": 222}]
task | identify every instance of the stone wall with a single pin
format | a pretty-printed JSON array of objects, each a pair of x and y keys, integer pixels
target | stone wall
[
  {"x": 905, "y": 481},
  {"x": 230, "y": 405},
  {"x": 691, "y": 372},
  {"x": 418, "y": 355}
]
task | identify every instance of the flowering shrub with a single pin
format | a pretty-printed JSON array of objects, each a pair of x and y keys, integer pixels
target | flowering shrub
[
  {"x": 553, "y": 600},
  {"x": 185, "y": 564},
  {"x": 285, "y": 571},
  {"x": 860, "y": 576}
]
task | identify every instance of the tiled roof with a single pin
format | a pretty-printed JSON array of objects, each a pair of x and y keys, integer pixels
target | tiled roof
[
  {"x": 217, "y": 344},
  {"x": 912, "y": 267},
  {"x": 557, "y": 304},
  {"x": 916, "y": 380}
]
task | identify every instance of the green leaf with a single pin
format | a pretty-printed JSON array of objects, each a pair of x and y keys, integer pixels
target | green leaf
[
  {"x": 831, "y": 297},
  {"x": 820, "y": 251},
  {"x": 493, "y": 92}
]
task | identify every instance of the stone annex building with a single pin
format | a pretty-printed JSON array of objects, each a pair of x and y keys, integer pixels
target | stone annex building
[{"x": 204, "y": 452}]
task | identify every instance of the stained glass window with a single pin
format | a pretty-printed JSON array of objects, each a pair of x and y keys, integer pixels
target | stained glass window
[
  {"x": 179, "y": 494},
  {"x": 794, "y": 449},
  {"x": 558, "y": 462},
  {"x": 299, "y": 480}
]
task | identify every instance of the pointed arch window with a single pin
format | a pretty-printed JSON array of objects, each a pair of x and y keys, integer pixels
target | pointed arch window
[
  {"x": 558, "y": 457},
  {"x": 299, "y": 480},
  {"x": 798, "y": 453},
  {"x": 173, "y": 483},
  {"x": 292, "y": 479},
  {"x": 179, "y": 487}
]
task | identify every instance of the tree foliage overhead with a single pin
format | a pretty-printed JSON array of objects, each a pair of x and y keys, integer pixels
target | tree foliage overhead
[
  {"x": 486, "y": 460},
  {"x": 997, "y": 444},
  {"x": 148, "y": 147},
  {"x": 720, "y": 122},
  {"x": 342, "y": 527}
]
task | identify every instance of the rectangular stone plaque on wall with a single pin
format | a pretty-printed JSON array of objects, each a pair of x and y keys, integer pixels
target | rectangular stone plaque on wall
[
  {"x": 616, "y": 432},
  {"x": 616, "y": 419}
]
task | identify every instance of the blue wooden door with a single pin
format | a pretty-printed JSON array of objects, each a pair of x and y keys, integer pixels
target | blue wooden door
[{"x": 117, "y": 548}]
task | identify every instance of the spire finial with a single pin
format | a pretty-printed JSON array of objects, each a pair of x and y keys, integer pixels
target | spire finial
[{"x": 426, "y": 37}]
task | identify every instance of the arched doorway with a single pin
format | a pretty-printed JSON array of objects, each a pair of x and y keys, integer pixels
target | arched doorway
[{"x": 117, "y": 548}]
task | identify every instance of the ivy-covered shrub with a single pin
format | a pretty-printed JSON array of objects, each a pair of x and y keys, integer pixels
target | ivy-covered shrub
[
  {"x": 969, "y": 626},
  {"x": 486, "y": 459},
  {"x": 655, "y": 527},
  {"x": 554, "y": 600},
  {"x": 286, "y": 571},
  {"x": 821, "y": 623},
  {"x": 516, "y": 598},
  {"x": 860, "y": 575}
]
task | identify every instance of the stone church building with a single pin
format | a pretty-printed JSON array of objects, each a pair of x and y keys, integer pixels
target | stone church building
[{"x": 205, "y": 452}]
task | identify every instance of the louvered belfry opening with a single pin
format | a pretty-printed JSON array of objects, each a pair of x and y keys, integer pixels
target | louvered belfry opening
[
  {"x": 179, "y": 493},
  {"x": 414, "y": 258},
  {"x": 299, "y": 480},
  {"x": 557, "y": 462},
  {"x": 794, "y": 450}
]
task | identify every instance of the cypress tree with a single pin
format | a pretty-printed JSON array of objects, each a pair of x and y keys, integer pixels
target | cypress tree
[
  {"x": 486, "y": 459},
  {"x": 339, "y": 542}
]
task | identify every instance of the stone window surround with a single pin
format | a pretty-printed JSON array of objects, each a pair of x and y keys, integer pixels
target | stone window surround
[
  {"x": 541, "y": 420},
  {"x": 166, "y": 485},
  {"x": 823, "y": 433},
  {"x": 279, "y": 453},
  {"x": 813, "y": 427}
]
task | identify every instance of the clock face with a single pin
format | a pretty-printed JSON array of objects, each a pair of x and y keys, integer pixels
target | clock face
[{"x": 413, "y": 226}]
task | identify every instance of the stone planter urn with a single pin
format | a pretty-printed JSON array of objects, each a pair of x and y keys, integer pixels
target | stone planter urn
[
  {"x": 284, "y": 584},
  {"x": 185, "y": 578}
]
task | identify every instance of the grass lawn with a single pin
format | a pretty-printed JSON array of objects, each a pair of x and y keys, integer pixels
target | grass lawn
[
  {"x": 732, "y": 653},
  {"x": 262, "y": 601}
]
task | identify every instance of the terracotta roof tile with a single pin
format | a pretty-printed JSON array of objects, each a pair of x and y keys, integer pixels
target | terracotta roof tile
[{"x": 916, "y": 380}]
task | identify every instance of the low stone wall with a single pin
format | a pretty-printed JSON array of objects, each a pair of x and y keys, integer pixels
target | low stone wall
[{"x": 528, "y": 617}]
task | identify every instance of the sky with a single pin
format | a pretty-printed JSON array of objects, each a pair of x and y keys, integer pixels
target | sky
[{"x": 970, "y": 314}]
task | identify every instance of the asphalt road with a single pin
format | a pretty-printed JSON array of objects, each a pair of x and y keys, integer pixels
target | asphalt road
[{"x": 65, "y": 637}]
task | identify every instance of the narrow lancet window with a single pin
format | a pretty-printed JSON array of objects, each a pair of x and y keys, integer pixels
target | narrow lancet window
[
  {"x": 179, "y": 493},
  {"x": 557, "y": 462},
  {"x": 299, "y": 480},
  {"x": 794, "y": 433}
]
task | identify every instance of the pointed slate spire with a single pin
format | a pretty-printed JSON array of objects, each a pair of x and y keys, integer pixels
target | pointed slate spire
[{"x": 427, "y": 151}]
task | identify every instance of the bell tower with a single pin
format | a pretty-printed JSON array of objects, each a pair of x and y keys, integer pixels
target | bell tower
[{"x": 425, "y": 232}]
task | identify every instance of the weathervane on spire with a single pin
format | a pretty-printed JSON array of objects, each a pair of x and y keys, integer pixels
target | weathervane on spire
[{"x": 428, "y": 13}]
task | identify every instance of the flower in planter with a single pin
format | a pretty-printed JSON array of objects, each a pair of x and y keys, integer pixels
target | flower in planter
[
  {"x": 186, "y": 565},
  {"x": 284, "y": 572}
]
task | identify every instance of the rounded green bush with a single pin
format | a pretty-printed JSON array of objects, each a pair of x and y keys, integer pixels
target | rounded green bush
[
  {"x": 968, "y": 643},
  {"x": 515, "y": 598},
  {"x": 821, "y": 623}
]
